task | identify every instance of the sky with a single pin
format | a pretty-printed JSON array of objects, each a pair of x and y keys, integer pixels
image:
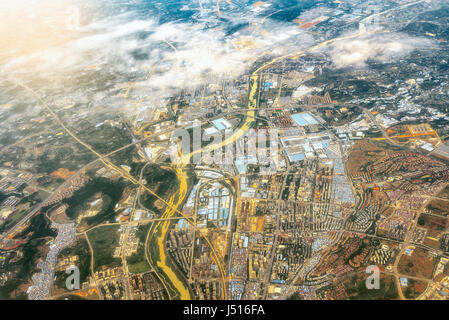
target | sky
[{"x": 85, "y": 48}]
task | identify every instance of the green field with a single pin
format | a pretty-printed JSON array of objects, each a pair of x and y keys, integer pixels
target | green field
[
  {"x": 137, "y": 262},
  {"x": 104, "y": 240}
]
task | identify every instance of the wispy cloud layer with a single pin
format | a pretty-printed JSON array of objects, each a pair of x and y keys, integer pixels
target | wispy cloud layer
[
  {"x": 378, "y": 47},
  {"x": 179, "y": 55}
]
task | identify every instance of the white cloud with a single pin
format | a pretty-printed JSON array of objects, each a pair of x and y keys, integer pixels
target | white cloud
[
  {"x": 380, "y": 47},
  {"x": 121, "y": 47}
]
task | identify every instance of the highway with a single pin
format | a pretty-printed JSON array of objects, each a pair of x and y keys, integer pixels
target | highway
[
  {"x": 37, "y": 208},
  {"x": 374, "y": 121},
  {"x": 124, "y": 174},
  {"x": 173, "y": 205},
  {"x": 363, "y": 21}
]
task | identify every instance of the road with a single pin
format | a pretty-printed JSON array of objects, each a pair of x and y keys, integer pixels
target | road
[
  {"x": 384, "y": 133},
  {"x": 254, "y": 93},
  {"x": 125, "y": 175},
  {"x": 408, "y": 241},
  {"x": 277, "y": 232},
  {"x": 37, "y": 208},
  {"x": 363, "y": 21}
]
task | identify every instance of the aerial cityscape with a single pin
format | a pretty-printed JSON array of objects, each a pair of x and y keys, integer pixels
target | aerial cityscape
[{"x": 224, "y": 150}]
